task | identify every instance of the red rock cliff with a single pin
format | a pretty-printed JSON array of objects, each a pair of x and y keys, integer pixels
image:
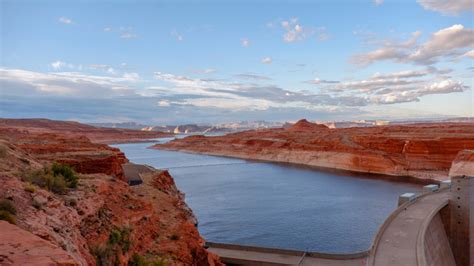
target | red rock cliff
[
  {"x": 70, "y": 128},
  {"x": 103, "y": 220},
  {"x": 424, "y": 151}
]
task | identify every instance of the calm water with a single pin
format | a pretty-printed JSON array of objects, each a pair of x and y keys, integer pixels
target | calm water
[{"x": 277, "y": 205}]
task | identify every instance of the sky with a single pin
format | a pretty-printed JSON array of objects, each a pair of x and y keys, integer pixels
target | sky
[{"x": 170, "y": 62}]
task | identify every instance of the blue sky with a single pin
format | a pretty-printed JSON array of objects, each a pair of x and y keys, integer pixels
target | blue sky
[{"x": 209, "y": 61}]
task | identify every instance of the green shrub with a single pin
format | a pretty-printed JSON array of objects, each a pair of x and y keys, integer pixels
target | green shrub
[
  {"x": 121, "y": 238},
  {"x": 118, "y": 243},
  {"x": 104, "y": 255},
  {"x": 55, "y": 178},
  {"x": 7, "y": 205},
  {"x": 44, "y": 178},
  {"x": 6, "y": 216},
  {"x": 115, "y": 236},
  {"x": 30, "y": 188},
  {"x": 66, "y": 172},
  {"x": 138, "y": 260}
]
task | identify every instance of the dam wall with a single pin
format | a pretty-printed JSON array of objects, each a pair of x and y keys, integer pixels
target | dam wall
[
  {"x": 435, "y": 244},
  {"x": 462, "y": 220}
]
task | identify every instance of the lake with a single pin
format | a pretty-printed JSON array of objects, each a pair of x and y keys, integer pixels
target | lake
[{"x": 277, "y": 205}]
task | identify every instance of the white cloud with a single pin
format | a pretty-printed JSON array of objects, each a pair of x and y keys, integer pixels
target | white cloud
[
  {"x": 65, "y": 20},
  {"x": 377, "y": 55},
  {"x": 250, "y": 92},
  {"x": 323, "y": 36},
  {"x": 252, "y": 76},
  {"x": 245, "y": 42},
  {"x": 111, "y": 71},
  {"x": 469, "y": 54},
  {"x": 318, "y": 81},
  {"x": 176, "y": 35},
  {"x": 444, "y": 42},
  {"x": 266, "y": 60},
  {"x": 133, "y": 77},
  {"x": 413, "y": 95},
  {"x": 447, "y": 7},
  {"x": 447, "y": 43},
  {"x": 398, "y": 87},
  {"x": 378, "y": 2},
  {"x": 126, "y": 33},
  {"x": 63, "y": 83},
  {"x": 58, "y": 65},
  {"x": 204, "y": 71},
  {"x": 164, "y": 103},
  {"x": 294, "y": 31}
]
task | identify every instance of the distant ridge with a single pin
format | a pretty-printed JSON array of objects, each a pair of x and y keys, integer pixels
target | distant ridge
[{"x": 305, "y": 125}]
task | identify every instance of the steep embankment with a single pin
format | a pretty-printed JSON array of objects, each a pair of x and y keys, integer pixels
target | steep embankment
[
  {"x": 423, "y": 151},
  {"x": 463, "y": 164},
  {"x": 102, "y": 220},
  {"x": 70, "y": 128}
]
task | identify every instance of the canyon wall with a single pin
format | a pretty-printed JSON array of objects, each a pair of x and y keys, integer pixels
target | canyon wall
[
  {"x": 101, "y": 221},
  {"x": 75, "y": 129},
  {"x": 423, "y": 151}
]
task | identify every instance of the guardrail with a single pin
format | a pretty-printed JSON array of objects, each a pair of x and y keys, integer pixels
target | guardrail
[{"x": 297, "y": 253}]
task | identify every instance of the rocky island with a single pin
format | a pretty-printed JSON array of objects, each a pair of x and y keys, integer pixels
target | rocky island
[
  {"x": 423, "y": 152},
  {"x": 63, "y": 201}
]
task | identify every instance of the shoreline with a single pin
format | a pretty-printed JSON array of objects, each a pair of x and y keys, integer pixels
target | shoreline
[{"x": 353, "y": 173}]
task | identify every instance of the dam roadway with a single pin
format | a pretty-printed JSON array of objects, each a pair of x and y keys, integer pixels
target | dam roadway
[{"x": 401, "y": 240}]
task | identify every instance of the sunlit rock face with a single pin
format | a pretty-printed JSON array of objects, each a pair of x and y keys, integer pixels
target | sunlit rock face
[
  {"x": 103, "y": 218},
  {"x": 423, "y": 151},
  {"x": 463, "y": 164},
  {"x": 74, "y": 129}
]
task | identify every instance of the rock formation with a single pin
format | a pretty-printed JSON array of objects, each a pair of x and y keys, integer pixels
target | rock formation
[
  {"x": 423, "y": 151},
  {"x": 24, "y": 248},
  {"x": 70, "y": 128},
  {"x": 463, "y": 164},
  {"x": 102, "y": 221}
]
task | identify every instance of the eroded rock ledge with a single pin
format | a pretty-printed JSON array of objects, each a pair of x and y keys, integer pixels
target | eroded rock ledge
[
  {"x": 423, "y": 151},
  {"x": 103, "y": 220}
]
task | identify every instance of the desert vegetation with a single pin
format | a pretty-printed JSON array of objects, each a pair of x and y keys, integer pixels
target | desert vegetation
[
  {"x": 7, "y": 211},
  {"x": 56, "y": 178}
]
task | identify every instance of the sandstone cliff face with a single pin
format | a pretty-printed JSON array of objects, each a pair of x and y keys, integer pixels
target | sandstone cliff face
[
  {"x": 70, "y": 128},
  {"x": 423, "y": 151},
  {"x": 24, "y": 248},
  {"x": 103, "y": 220},
  {"x": 84, "y": 156},
  {"x": 463, "y": 164}
]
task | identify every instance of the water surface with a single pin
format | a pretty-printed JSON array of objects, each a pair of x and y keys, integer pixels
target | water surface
[{"x": 277, "y": 205}]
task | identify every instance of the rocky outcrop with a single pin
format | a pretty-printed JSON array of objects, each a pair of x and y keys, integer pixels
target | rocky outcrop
[
  {"x": 103, "y": 220},
  {"x": 21, "y": 247},
  {"x": 71, "y": 129},
  {"x": 305, "y": 125},
  {"x": 79, "y": 152},
  {"x": 423, "y": 151},
  {"x": 463, "y": 164}
]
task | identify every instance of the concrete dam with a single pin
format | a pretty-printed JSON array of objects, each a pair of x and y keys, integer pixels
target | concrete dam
[{"x": 435, "y": 228}]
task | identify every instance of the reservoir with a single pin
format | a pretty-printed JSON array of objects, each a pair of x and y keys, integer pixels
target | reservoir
[{"x": 277, "y": 205}]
